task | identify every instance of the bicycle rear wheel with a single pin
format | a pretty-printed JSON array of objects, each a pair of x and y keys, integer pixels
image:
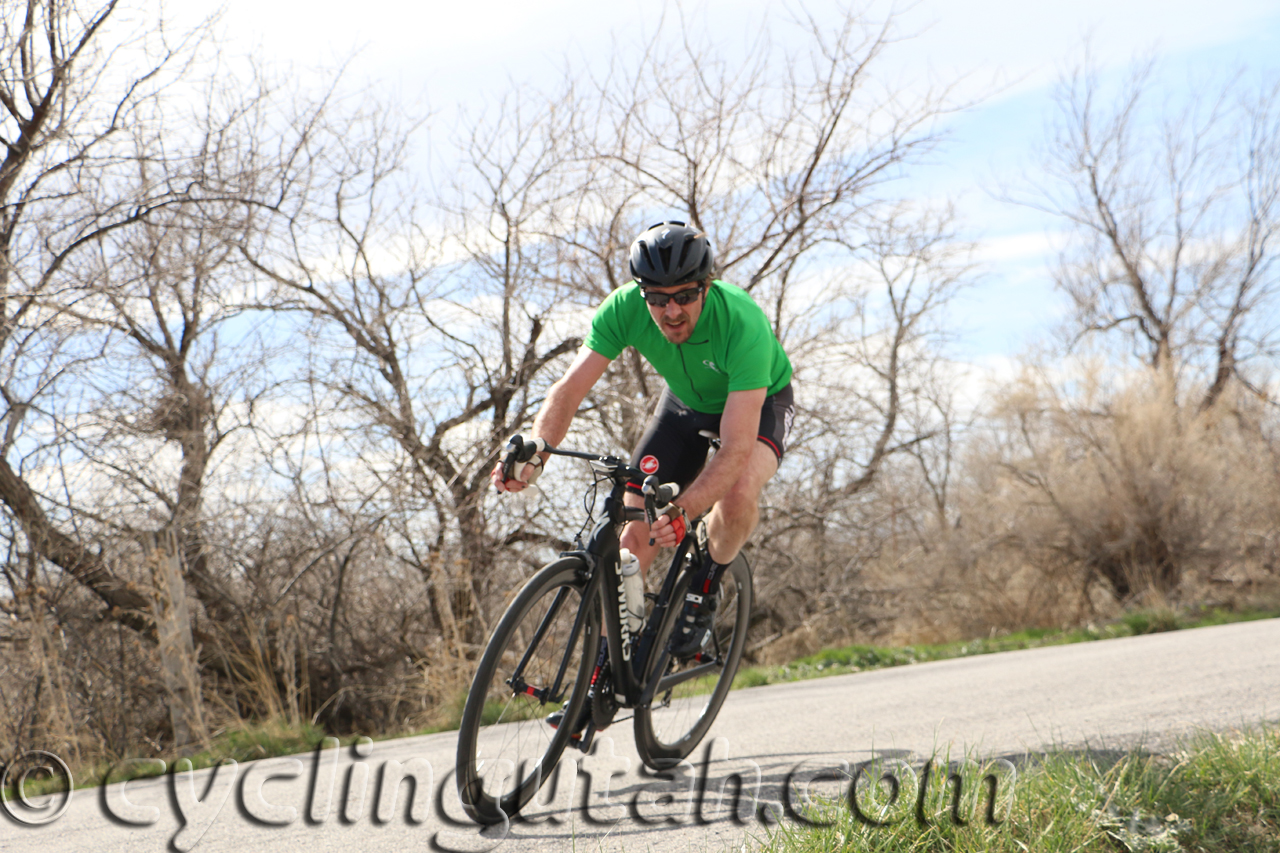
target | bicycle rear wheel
[
  {"x": 691, "y": 691},
  {"x": 540, "y": 655}
]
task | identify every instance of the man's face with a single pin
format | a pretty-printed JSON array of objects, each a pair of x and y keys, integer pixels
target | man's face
[{"x": 675, "y": 321}]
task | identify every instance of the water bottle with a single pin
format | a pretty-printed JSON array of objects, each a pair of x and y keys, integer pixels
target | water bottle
[{"x": 632, "y": 589}]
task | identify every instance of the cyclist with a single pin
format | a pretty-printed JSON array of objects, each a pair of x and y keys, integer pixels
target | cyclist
[{"x": 725, "y": 372}]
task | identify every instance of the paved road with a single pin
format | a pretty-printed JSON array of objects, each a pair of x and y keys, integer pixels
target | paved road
[{"x": 1107, "y": 694}]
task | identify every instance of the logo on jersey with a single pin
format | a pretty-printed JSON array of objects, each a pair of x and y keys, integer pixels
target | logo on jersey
[
  {"x": 649, "y": 464},
  {"x": 712, "y": 365}
]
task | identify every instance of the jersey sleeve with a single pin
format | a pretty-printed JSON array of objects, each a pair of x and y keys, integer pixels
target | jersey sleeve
[
  {"x": 749, "y": 355},
  {"x": 607, "y": 335}
]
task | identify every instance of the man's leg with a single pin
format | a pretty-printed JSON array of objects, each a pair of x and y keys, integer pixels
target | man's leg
[
  {"x": 729, "y": 525},
  {"x": 734, "y": 517}
]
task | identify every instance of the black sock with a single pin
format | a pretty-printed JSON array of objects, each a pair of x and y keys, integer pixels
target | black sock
[{"x": 704, "y": 580}]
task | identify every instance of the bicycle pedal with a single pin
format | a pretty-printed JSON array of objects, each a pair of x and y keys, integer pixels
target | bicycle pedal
[{"x": 582, "y": 742}]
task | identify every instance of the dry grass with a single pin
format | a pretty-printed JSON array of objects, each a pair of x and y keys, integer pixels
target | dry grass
[
  {"x": 1070, "y": 504},
  {"x": 1076, "y": 507}
]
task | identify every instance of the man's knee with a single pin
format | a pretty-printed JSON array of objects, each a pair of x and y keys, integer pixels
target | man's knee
[
  {"x": 760, "y": 468},
  {"x": 743, "y": 496},
  {"x": 636, "y": 537}
]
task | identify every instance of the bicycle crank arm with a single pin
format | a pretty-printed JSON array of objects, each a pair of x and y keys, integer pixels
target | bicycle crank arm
[{"x": 667, "y": 682}]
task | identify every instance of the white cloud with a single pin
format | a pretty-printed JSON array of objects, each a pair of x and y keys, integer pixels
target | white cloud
[{"x": 1016, "y": 247}]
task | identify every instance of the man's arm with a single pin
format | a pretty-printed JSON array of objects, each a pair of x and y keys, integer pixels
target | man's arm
[
  {"x": 563, "y": 400},
  {"x": 739, "y": 427}
]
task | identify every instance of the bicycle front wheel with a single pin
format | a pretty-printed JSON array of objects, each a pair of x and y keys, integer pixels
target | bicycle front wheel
[
  {"x": 539, "y": 658},
  {"x": 690, "y": 692}
]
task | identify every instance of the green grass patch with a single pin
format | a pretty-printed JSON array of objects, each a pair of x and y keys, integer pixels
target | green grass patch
[
  {"x": 241, "y": 743},
  {"x": 249, "y": 743},
  {"x": 859, "y": 658},
  {"x": 1215, "y": 794}
]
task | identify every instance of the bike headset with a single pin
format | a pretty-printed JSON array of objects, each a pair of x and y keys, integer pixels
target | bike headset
[{"x": 670, "y": 253}]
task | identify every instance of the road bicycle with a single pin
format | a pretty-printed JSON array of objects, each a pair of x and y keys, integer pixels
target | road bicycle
[{"x": 545, "y": 656}]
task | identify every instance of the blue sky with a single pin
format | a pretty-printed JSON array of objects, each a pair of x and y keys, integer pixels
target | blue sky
[{"x": 444, "y": 54}]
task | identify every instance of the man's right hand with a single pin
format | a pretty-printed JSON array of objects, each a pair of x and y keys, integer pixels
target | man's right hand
[
  {"x": 528, "y": 472},
  {"x": 514, "y": 456}
]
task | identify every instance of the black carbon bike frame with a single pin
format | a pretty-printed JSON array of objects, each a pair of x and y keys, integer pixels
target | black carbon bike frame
[{"x": 628, "y": 656}]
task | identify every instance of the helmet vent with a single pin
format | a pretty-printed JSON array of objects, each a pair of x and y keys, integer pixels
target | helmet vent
[{"x": 684, "y": 254}]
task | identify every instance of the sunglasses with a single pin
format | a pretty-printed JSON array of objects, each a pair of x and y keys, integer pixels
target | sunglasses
[{"x": 682, "y": 297}]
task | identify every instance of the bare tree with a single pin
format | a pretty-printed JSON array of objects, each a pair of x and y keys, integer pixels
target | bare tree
[
  {"x": 457, "y": 306},
  {"x": 873, "y": 377},
  {"x": 108, "y": 221},
  {"x": 118, "y": 295},
  {"x": 785, "y": 161},
  {"x": 59, "y": 122},
  {"x": 1173, "y": 214},
  {"x": 1171, "y": 207}
]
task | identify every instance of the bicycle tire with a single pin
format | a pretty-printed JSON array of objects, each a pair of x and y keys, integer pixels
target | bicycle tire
[
  {"x": 676, "y": 720},
  {"x": 506, "y": 749}
]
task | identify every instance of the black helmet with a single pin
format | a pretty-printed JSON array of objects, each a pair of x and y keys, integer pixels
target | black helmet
[{"x": 670, "y": 253}]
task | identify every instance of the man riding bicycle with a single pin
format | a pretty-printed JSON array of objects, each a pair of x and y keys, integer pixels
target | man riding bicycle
[{"x": 726, "y": 373}]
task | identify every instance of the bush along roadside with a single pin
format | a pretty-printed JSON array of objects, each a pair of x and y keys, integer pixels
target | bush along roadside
[{"x": 1214, "y": 793}]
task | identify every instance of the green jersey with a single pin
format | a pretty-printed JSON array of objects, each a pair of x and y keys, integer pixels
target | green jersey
[{"x": 732, "y": 347}]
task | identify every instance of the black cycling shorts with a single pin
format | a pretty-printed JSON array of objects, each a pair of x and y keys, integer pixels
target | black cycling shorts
[{"x": 672, "y": 448}]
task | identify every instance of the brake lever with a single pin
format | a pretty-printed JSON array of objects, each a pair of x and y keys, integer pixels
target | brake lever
[
  {"x": 514, "y": 446},
  {"x": 650, "y": 491}
]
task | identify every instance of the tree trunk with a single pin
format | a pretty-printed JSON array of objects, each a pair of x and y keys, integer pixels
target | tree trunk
[{"x": 177, "y": 649}]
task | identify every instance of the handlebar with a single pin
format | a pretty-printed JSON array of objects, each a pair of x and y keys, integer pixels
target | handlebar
[
  {"x": 520, "y": 449},
  {"x": 656, "y": 495}
]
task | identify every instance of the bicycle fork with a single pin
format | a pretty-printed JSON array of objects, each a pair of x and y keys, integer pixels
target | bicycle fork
[{"x": 598, "y": 683}]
